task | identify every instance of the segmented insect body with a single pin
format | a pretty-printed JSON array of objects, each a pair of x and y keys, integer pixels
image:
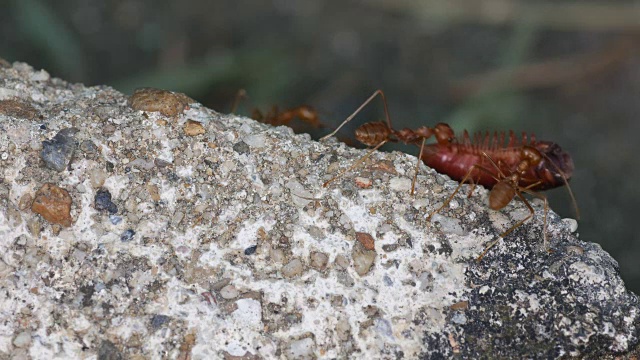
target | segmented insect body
[
  {"x": 457, "y": 157},
  {"x": 276, "y": 117},
  {"x": 509, "y": 170}
]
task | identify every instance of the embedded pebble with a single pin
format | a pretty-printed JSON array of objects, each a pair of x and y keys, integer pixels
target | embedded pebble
[
  {"x": 115, "y": 220},
  {"x": 166, "y": 102},
  {"x": 158, "y": 320},
  {"x": 88, "y": 147},
  {"x": 22, "y": 340},
  {"x": 572, "y": 224},
  {"x": 301, "y": 349},
  {"x": 41, "y": 75},
  {"x": 250, "y": 250},
  {"x": 97, "y": 177},
  {"x": 241, "y": 147},
  {"x": 102, "y": 201},
  {"x": 257, "y": 141},
  {"x": 400, "y": 184},
  {"x": 154, "y": 192},
  {"x": 58, "y": 151},
  {"x": 459, "y": 318},
  {"x": 193, "y": 128},
  {"x": 5, "y": 269},
  {"x": 53, "y": 204},
  {"x": 449, "y": 225},
  {"x": 343, "y": 329},
  {"x": 383, "y": 327},
  {"x": 366, "y": 240},
  {"x": 342, "y": 261},
  {"x": 363, "y": 183},
  {"x": 362, "y": 259},
  {"x": 277, "y": 255},
  {"x": 229, "y": 292},
  {"x": 127, "y": 235},
  {"x": 108, "y": 351},
  {"x": 319, "y": 260},
  {"x": 18, "y": 109},
  {"x": 292, "y": 268}
]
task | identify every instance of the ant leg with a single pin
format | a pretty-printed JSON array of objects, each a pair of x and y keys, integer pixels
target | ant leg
[
  {"x": 473, "y": 187},
  {"x": 531, "y": 213},
  {"x": 386, "y": 111},
  {"x": 415, "y": 175},
  {"x": 486, "y": 249},
  {"x": 354, "y": 164},
  {"x": 546, "y": 211},
  {"x": 502, "y": 176},
  {"x": 462, "y": 182},
  {"x": 504, "y": 234},
  {"x": 241, "y": 94}
]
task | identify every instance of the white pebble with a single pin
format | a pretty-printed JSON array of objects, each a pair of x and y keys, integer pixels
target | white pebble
[
  {"x": 301, "y": 349},
  {"x": 229, "y": 292},
  {"x": 400, "y": 184},
  {"x": 571, "y": 223},
  {"x": 22, "y": 340}
]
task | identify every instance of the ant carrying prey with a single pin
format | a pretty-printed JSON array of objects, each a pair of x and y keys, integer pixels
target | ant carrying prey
[{"x": 508, "y": 168}]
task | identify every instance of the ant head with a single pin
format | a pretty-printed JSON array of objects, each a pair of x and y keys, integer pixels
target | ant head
[
  {"x": 444, "y": 134},
  {"x": 531, "y": 154},
  {"x": 559, "y": 169},
  {"x": 560, "y": 160}
]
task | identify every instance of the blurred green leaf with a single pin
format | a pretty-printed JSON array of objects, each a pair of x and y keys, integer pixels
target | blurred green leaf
[
  {"x": 499, "y": 109},
  {"x": 48, "y": 32},
  {"x": 191, "y": 78}
]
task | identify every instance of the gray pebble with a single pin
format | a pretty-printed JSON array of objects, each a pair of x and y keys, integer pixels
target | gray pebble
[
  {"x": 241, "y": 148},
  {"x": 293, "y": 268},
  {"x": 319, "y": 260},
  {"x": 58, "y": 151},
  {"x": 158, "y": 320},
  {"x": 229, "y": 292},
  {"x": 108, "y": 351},
  {"x": 22, "y": 340}
]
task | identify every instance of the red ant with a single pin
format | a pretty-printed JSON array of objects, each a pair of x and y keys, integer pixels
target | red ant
[
  {"x": 527, "y": 167},
  {"x": 378, "y": 133},
  {"x": 275, "y": 117}
]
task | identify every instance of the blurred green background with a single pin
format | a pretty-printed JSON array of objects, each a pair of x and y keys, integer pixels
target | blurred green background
[{"x": 568, "y": 71}]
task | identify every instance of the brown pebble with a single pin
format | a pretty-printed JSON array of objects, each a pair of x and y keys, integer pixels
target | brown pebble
[
  {"x": 18, "y": 109},
  {"x": 154, "y": 192},
  {"x": 25, "y": 201},
  {"x": 319, "y": 260},
  {"x": 4, "y": 63},
  {"x": 363, "y": 183},
  {"x": 166, "y": 102},
  {"x": 193, "y": 128},
  {"x": 366, "y": 240},
  {"x": 53, "y": 204},
  {"x": 461, "y": 305},
  {"x": 385, "y": 166}
]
